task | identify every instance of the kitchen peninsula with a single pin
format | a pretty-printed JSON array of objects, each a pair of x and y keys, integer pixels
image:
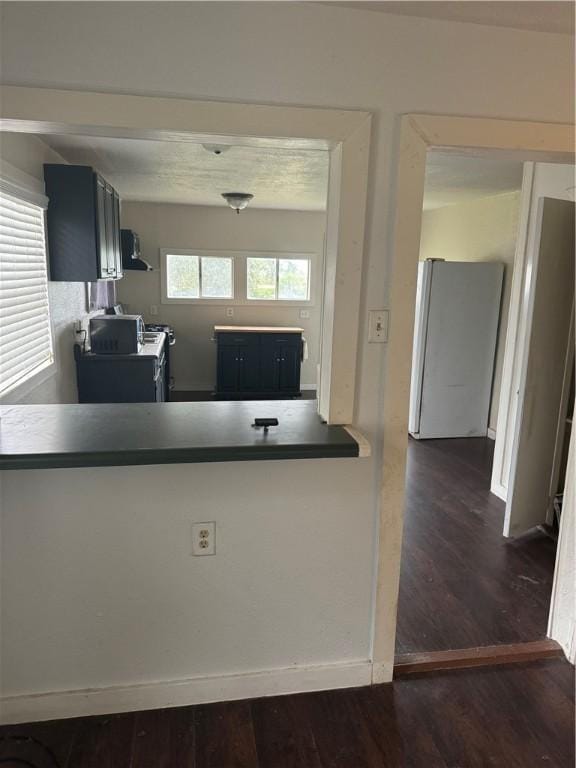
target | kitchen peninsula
[{"x": 120, "y": 434}]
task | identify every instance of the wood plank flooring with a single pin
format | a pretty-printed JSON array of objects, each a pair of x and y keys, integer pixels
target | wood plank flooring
[
  {"x": 505, "y": 717},
  {"x": 462, "y": 584}
]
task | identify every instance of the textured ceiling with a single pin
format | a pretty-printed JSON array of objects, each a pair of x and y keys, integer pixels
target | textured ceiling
[
  {"x": 453, "y": 178},
  {"x": 184, "y": 172},
  {"x": 548, "y": 16}
]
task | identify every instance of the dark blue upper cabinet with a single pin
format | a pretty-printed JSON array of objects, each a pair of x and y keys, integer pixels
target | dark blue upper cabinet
[{"x": 83, "y": 225}]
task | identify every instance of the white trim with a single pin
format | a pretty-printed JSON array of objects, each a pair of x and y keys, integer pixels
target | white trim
[
  {"x": 562, "y": 618},
  {"x": 185, "y": 692},
  {"x": 345, "y": 133},
  {"x": 26, "y": 193},
  {"x": 508, "y": 399},
  {"x": 524, "y": 140},
  {"x": 491, "y": 433},
  {"x": 500, "y": 491},
  {"x": 19, "y": 183},
  {"x": 364, "y": 447}
]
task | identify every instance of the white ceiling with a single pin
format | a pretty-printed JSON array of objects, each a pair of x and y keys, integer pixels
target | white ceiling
[
  {"x": 547, "y": 16},
  {"x": 184, "y": 172},
  {"x": 456, "y": 178}
]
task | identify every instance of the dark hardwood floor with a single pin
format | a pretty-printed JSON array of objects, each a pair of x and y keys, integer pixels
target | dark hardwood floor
[
  {"x": 462, "y": 583},
  {"x": 201, "y": 396},
  {"x": 506, "y": 717}
]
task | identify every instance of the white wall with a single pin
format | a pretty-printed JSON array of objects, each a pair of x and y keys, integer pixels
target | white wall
[
  {"x": 211, "y": 228},
  {"x": 21, "y": 160},
  {"x": 289, "y": 53},
  {"x": 478, "y": 230}
]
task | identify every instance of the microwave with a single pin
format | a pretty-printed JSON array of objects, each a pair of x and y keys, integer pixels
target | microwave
[{"x": 116, "y": 334}]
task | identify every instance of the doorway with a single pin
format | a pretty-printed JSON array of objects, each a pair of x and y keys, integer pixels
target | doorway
[
  {"x": 480, "y": 588},
  {"x": 462, "y": 584}
]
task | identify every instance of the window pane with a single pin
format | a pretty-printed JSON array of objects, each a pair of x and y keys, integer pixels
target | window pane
[
  {"x": 261, "y": 278},
  {"x": 293, "y": 279},
  {"x": 182, "y": 276},
  {"x": 216, "y": 278}
]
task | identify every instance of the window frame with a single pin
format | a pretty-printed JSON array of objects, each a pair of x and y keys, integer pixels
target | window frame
[
  {"x": 239, "y": 277},
  {"x": 165, "y": 252},
  {"x": 29, "y": 192}
]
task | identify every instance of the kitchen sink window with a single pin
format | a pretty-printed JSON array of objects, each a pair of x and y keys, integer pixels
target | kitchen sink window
[
  {"x": 237, "y": 277},
  {"x": 25, "y": 330},
  {"x": 278, "y": 279},
  {"x": 189, "y": 276}
]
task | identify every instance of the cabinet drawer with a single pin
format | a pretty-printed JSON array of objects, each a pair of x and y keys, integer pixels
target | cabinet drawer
[
  {"x": 234, "y": 339},
  {"x": 282, "y": 339}
]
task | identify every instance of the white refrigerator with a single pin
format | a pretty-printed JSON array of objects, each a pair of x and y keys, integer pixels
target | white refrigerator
[{"x": 457, "y": 315}]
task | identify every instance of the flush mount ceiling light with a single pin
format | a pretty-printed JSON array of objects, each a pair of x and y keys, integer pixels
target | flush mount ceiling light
[{"x": 237, "y": 200}]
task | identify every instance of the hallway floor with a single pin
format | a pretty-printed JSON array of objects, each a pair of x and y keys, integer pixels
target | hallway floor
[
  {"x": 462, "y": 583},
  {"x": 519, "y": 716}
]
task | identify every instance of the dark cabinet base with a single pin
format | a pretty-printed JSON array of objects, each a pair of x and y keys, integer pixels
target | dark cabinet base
[
  {"x": 272, "y": 395},
  {"x": 254, "y": 365}
]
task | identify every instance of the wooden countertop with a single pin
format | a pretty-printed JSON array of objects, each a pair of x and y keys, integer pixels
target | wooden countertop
[
  {"x": 256, "y": 329},
  {"x": 118, "y": 434}
]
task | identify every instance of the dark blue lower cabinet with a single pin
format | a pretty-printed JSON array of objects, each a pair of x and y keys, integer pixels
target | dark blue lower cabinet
[{"x": 258, "y": 365}]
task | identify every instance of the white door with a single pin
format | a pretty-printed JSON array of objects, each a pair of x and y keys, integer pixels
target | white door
[{"x": 542, "y": 375}]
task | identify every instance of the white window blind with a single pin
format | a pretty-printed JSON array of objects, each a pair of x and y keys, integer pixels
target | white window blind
[{"x": 25, "y": 333}]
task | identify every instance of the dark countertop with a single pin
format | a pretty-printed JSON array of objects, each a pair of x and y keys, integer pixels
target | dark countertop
[{"x": 50, "y": 436}]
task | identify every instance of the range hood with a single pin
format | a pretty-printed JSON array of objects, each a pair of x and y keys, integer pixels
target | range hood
[{"x": 131, "y": 258}]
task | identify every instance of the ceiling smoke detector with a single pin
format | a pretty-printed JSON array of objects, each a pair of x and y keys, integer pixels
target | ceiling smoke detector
[
  {"x": 216, "y": 149},
  {"x": 237, "y": 200}
]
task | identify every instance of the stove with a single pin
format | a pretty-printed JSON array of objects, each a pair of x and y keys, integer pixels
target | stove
[{"x": 157, "y": 328}]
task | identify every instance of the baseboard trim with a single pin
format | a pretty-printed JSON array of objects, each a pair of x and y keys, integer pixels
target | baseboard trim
[
  {"x": 178, "y": 693},
  {"x": 491, "y": 433},
  {"x": 466, "y": 658}
]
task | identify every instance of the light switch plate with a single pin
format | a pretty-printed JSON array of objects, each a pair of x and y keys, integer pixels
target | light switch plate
[
  {"x": 229, "y": 311},
  {"x": 378, "y": 326},
  {"x": 153, "y": 309}
]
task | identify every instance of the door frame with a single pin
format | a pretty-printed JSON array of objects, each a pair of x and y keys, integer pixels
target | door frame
[
  {"x": 522, "y": 140},
  {"x": 345, "y": 134}
]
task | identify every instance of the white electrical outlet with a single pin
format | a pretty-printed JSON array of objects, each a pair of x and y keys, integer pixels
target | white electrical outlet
[
  {"x": 304, "y": 314},
  {"x": 378, "y": 326},
  {"x": 229, "y": 311},
  {"x": 153, "y": 309},
  {"x": 204, "y": 538}
]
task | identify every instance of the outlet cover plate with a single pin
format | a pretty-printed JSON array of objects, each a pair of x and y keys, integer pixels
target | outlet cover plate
[{"x": 203, "y": 539}]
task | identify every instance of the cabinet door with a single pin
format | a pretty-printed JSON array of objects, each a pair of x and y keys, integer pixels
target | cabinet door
[
  {"x": 289, "y": 379},
  {"x": 109, "y": 220},
  {"x": 102, "y": 243},
  {"x": 116, "y": 234},
  {"x": 249, "y": 379},
  {"x": 271, "y": 354},
  {"x": 228, "y": 369}
]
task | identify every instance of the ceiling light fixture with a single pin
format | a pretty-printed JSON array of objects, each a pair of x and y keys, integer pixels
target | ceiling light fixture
[{"x": 237, "y": 200}]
